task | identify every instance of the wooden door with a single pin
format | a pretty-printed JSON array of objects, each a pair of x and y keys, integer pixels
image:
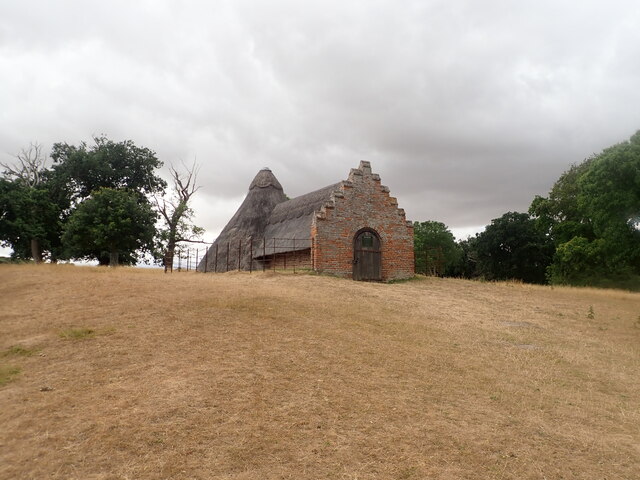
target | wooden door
[{"x": 367, "y": 263}]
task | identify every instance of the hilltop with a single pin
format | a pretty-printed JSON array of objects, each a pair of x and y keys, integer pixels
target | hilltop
[{"x": 130, "y": 373}]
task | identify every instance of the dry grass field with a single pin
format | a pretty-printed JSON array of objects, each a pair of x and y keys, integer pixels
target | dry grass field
[{"x": 133, "y": 374}]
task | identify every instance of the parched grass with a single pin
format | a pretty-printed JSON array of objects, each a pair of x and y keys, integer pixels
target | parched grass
[
  {"x": 239, "y": 376},
  {"x": 76, "y": 333},
  {"x": 19, "y": 351},
  {"x": 10, "y": 372},
  {"x": 7, "y": 373}
]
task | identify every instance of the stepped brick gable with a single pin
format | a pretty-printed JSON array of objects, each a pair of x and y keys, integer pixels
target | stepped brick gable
[
  {"x": 352, "y": 229},
  {"x": 362, "y": 203}
]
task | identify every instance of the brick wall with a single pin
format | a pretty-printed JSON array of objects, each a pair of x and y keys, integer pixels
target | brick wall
[
  {"x": 300, "y": 259},
  {"x": 362, "y": 202}
]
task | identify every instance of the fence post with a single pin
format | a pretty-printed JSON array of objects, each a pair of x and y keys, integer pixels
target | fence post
[
  {"x": 197, "y": 251},
  {"x": 227, "y": 257},
  {"x": 294, "y": 254},
  {"x": 239, "y": 253},
  {"x": 264, "y": 253},
  {"x": 250, "y": 254},
  {"x": 215, "y": 267},
  {"x": 206, "y": 257},
  {"x": 274, "y": 254}
]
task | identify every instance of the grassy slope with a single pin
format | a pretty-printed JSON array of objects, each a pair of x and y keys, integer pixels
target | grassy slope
[{"x": 240, "y": 376}]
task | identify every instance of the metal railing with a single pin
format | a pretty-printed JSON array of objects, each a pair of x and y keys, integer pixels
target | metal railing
[{"x": 245, "y": 254}]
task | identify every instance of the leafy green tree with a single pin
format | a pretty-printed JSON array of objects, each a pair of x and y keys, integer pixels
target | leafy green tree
[
  {"x": 511, "y": 247},
  {"x": 85, "y": 169},
  {"x": 36, "y": 201},
  {"x": 29, "y": 221},
  {"x": 578, "y": 262},
  {"x": 31, "y": 207},
  {"x": 559, "y": 214},
  {"x": 436, "y": 251},
  {"x": 610, "y": 197},
  {"x": 110, "y": 224},
  {"x": 593, "y": 216},
  {"x": 468, "y": 265},
  {"x": 107, "y": 164}
]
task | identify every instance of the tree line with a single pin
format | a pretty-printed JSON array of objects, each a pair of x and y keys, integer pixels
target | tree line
[
  {"x": 586, "y": 231},
  {"x": 103, "y": 202},
  {"x": 106, "y": 202}
]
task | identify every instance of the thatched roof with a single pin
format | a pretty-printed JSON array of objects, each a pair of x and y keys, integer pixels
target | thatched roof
[
  {"x": 265, "y": 192},
  {"x": 292, "y": 219},
  {"x": 266, "y": 223}
]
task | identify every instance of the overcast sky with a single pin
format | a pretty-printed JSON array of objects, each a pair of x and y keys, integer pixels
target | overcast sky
[{"x": 467, "y": 109}]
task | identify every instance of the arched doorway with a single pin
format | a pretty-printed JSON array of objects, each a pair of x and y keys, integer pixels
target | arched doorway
[{"x": 367, "y": 258}]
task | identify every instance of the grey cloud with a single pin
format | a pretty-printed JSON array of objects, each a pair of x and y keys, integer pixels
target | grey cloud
[{"x": 467, "y": 109}]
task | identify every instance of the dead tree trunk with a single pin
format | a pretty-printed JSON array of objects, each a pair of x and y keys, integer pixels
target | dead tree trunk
[
  {"x": 175, "y": 212},
  {"x": 168, "y": 257}
]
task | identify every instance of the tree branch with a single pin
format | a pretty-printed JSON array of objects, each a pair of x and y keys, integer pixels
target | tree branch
[{"x": 29, "y": 167}]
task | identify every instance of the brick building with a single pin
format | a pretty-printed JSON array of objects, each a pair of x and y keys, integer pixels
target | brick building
[{"x": 352, "y": 229}]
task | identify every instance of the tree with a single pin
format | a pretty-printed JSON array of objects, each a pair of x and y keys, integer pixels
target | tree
[
  {"x": 435, "y": 247},
  {"x": 578, "y": 261},
  {"x": 511, "y": 247},
  {"x": 107, "y": 164},
  {"x": 29, "y": 168},
  {"x": 593, "y": 216},
  {"x": 111, "y": 223},
  {"x": 610, "y": 197},
  {"x": 559, "y": 214},
  {"x": 84, "y": 170},
  {"x": 176, "y": 214},
  {"x": 468, "y": 265},
  {"x": 32, "y": 207}
]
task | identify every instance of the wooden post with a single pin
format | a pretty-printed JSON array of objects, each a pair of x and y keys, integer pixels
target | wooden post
[
  {"x": 294, "y": 254},
  {"x": 239, "y": 253},
  {"x": 227, "y": 257},
  {"x": 250, "y": 254},
  {"x": 264, "y": 253}
]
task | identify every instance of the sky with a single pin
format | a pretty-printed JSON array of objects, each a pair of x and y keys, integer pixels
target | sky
[{"x": 466, "y": 109}]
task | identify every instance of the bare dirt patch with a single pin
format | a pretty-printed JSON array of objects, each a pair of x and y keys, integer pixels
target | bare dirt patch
[{"x": 239, "y": 376}]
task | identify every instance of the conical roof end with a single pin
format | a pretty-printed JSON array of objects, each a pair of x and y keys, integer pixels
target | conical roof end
[
  {"x": 265, "y": 192},
  {"x": 265, "y": 179}
]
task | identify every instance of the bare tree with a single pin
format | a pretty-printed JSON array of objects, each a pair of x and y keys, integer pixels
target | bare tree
[
  {"x": 28, "y": 171},
  {"x": 176, "y": 213}
]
